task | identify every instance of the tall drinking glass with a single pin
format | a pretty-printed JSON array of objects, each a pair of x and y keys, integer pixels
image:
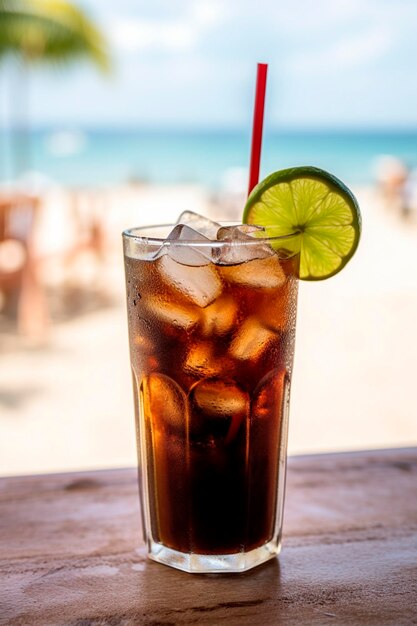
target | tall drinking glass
[{"x": 211, "y": 330}]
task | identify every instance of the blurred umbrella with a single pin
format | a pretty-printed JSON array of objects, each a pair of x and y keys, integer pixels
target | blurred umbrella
[{"x": 47, "y": 32}]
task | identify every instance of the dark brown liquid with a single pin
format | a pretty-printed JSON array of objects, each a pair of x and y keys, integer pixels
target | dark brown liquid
[{"x": 211, "y": 382}]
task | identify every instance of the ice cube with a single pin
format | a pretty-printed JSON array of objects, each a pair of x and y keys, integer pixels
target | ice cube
[
  {"x": 268, "y": 395},
  {"x": 164, "y": 403},
  {"x": 264, "y": 273},
  {"x": 239, "y": 231},
  {"x": 236, "y": 250},
  {"x": 144, "y": 344},
  {"x": 219, "y": 317},
  {"x": 172, "y": 313},
  {"x": 201, "y": 362},
  {"x": 277, "y": 310},
  {"x": 217, "y": 410},
  {"x": 202, "y": 224},
  {"x": 187, "y": 254},
  {"x": 200, "y": 285},
  {"x": 251, "y": 340}
]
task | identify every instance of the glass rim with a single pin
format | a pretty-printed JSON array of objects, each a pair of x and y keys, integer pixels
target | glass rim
[{"x": 133, "y": 235}]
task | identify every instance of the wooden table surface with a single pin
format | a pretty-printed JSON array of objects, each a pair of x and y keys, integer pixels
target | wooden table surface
[{"x": 71, "y": 552}]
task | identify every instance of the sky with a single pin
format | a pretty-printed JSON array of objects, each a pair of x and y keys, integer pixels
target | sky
[{"x": 192, "y": 63}]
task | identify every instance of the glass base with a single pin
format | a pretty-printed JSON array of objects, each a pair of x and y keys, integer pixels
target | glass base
[{"x": 213, "y": 563}]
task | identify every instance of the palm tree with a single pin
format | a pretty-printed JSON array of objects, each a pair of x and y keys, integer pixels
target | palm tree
[{"x": 49, "y": 31}]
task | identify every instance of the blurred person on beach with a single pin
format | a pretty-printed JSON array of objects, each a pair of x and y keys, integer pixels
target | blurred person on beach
[{"x": 397, "y": 185}]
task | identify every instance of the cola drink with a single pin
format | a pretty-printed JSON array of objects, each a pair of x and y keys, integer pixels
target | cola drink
[{"x": 211, "y": 329}]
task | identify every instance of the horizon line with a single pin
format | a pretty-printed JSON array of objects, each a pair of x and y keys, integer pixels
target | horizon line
[{"x": 168, "y": 128}]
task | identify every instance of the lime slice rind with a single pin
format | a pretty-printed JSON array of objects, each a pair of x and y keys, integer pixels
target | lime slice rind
[{"x": 316, "y": 204}]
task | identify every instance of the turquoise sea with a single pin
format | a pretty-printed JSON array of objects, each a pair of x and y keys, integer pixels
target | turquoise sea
[{"x": 103, "y": 157}]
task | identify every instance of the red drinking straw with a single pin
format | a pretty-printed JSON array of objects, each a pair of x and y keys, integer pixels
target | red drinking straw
[{"x": 258, "y": 120}]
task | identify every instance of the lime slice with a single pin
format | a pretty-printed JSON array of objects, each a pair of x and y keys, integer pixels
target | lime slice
[{"x": 316, "y": 204}]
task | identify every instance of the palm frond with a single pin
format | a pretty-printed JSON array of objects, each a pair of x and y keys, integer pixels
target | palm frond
[{"x": 55, "y": 31}]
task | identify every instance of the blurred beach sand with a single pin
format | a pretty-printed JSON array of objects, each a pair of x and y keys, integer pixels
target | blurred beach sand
[{"x": 68, "y": 405}]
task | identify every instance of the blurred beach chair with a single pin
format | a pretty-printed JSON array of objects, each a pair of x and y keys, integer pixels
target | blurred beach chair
[
  {"x": 20, "y": 283},
  {"x": 45, "y": 237}
]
